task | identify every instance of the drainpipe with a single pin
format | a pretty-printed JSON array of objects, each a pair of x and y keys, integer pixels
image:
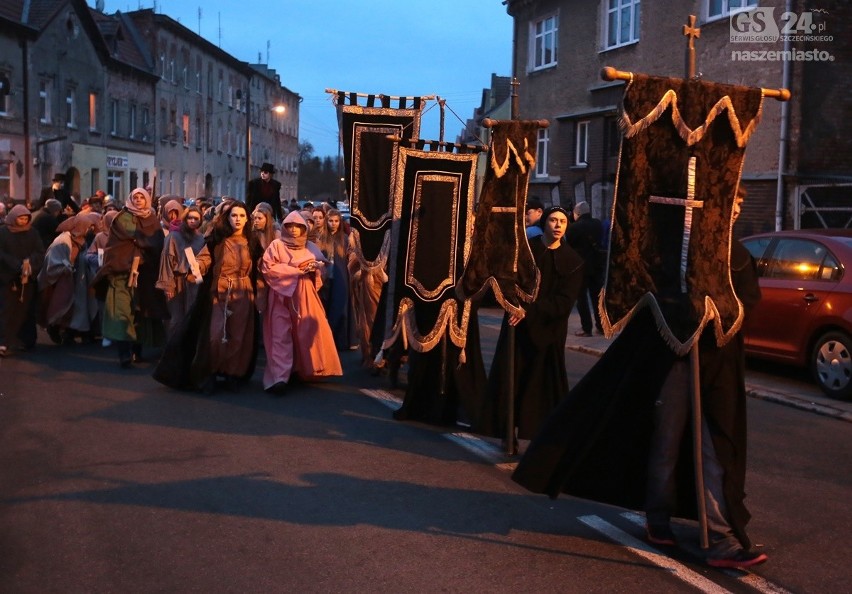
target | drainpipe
[
  {"x": 784, "y": 133},
  {"x": 28, "y": 158}
]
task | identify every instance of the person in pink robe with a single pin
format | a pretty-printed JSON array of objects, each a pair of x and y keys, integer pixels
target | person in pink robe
[{"x": 296, "y": 334}]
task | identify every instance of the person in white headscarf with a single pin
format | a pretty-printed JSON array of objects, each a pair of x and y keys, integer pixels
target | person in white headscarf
[{"x": 134, "y": 308}]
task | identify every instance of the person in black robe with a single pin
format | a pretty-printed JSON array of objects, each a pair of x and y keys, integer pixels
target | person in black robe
[
  {"x": 540, "y": 376},
  {"x": 597, "y": 443},
  {"x": 265, "y": 189},
  {"x": 443, "y": 386}
]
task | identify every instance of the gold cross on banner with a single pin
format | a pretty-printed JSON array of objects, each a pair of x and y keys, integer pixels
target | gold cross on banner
[
  {"x": 689, "y": 203},
  {"x": 693, "y": 32}
]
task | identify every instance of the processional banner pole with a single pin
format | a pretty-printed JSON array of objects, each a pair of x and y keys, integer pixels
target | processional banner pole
[{"x": 511, "y": 448}]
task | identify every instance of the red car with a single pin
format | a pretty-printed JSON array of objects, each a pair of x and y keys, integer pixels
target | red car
[{"x": 805, "y": 315}]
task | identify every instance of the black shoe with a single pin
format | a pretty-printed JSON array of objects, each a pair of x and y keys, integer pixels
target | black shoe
[
  {"x": 583, "y": 333},
  {"x": 54, "y": 334},
  {"x": 660, "y": 534},
  {"x": 277, "y": 389},
  {"x": 232, "y": 384},
  {"x": 739, "y": 560},
  {"x": 208, "y": 386},
  {"x": 125, "y": 362}
]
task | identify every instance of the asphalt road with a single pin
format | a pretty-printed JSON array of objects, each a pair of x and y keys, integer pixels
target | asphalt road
[{"x": 110, "y": 482}]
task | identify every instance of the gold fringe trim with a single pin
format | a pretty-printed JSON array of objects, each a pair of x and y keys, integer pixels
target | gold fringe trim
[
  {"x": 406, "y": 326},
  {"x": 380, "y": 261},
  {"x": 689, "y": 135},
  {"x": 711, "y": 314},
  {"x": 501, "y": 169},
  {"x": 508, "y": 306}
]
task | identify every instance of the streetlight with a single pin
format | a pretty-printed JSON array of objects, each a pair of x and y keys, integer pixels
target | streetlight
[{"x": 279, "y": 109}]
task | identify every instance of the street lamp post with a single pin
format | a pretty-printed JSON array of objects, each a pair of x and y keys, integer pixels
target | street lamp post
[
  {"x": 248, "y": 134},
  {"x": 279, "y": 109}
]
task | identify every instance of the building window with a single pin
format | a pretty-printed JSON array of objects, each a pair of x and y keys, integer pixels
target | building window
[
  {"x": 581, "y": 146},
  {"x": 44, "y": 102},
  {"x": 146, "y": 120},
  {"x": 613, "y": 137},
  {"x": 162, "y": 65},
  {"x": 722, "y": 8},
  {"x": 622, "y": 22},
  {"x": 185, "y": 129},
  {"x": 544, "y": 42},
  {"x": 172, "y": 70},
  {"x": 132, "y": 121},
  {"x": 5, "y": 95},
  {"x": 5, "y": 179},
  {"x": 542, "y": 147},
  {"x": 173, "y": 125},
  {"x": 113, "y": 117},
  {"x": 93, "y": 111},
  {"x": 185, "y": 77},
  {"x": 114, "y": 182},
  {"x": 70, "y": 109},
  {"x": 198, "y": 132}
]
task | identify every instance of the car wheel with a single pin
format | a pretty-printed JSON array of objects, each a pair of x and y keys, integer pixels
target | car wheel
[{"x": 831, "y": 364}]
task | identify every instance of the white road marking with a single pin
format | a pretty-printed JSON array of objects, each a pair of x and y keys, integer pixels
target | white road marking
[
  {"x": 494, "y": 455},
  {"x": 743, "y": 576},
  {"x": 384, "y": 397},
  {"x": 678, "y": 570}
]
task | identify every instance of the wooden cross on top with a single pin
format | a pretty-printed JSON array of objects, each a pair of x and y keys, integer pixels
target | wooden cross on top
[{"x": 693, "y": 32}]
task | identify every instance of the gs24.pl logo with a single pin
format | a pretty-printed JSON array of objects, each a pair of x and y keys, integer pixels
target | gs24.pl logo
[{"x": 759, "y": 25}]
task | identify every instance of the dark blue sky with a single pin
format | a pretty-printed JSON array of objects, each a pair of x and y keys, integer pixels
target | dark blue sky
[{"x": 447, "y": 48}]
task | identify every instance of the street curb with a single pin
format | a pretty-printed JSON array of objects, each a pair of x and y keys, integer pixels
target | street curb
[{"x": 760, "y": 393}]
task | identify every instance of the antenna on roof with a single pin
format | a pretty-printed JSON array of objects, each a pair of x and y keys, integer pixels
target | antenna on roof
[
  {"x": 199, "y": 21},
  {"x": 99, "y": 5},
  {"x": 220, "y": 30},
  {"x": 267, "y": 52}
]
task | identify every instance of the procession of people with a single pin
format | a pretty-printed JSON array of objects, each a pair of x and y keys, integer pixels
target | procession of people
[{"x": 202, "y": 300}]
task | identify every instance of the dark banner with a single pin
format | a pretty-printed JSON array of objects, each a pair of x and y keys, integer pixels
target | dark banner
[
  {"x": 370, "y": 169},
  {"x": 679, "y": 169},
  {"x": 501, "y": 258},
  {"x": 431, "y": 241}
]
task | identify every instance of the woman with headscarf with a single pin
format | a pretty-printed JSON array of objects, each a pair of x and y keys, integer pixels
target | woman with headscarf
[
  {"x": 134, "y": 309},
  {"x": 296, "y": 334},
  {"x": 67, "y": 306},
  {"x": 21, "y": 256},
  {"x": 176, "y": 265},
  {"x": 171, "y": 213},
  {"x": 541, "y": 379}
]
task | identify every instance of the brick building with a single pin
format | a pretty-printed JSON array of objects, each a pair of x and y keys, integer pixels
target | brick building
[
  {"x": 123, "y": 100},
  {"x": 562, "y": 45}
]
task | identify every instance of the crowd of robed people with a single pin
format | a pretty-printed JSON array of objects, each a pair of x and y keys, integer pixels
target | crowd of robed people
[{"x": 207, "y": 287}]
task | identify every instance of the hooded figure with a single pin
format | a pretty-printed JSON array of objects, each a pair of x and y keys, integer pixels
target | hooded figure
[
  {"x": 21, "y": 255},
  {"x": 296, "y": 334},
  {"x": 67, "y": 306}
]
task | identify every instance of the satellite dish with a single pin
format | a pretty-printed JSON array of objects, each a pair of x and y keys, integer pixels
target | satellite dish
[{"x": 99, "y": 5}]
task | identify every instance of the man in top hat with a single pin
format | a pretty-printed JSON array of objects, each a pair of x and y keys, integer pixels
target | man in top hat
[
  {"x": 57, "y": 190},
  {"x": 265, "y": 189}
]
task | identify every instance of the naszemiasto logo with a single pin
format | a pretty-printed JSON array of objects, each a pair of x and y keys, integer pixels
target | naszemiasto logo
[{"x": 759, "y": 25}]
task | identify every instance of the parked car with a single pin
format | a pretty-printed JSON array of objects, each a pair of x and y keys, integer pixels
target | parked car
[{"x": 805, "y": 315}]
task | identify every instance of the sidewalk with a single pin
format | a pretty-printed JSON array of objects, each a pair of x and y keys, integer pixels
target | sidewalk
[{"x": 758, "y": 385}]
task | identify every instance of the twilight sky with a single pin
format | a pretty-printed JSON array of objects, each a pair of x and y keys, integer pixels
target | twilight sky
[{"x": 447, "y": 48}]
